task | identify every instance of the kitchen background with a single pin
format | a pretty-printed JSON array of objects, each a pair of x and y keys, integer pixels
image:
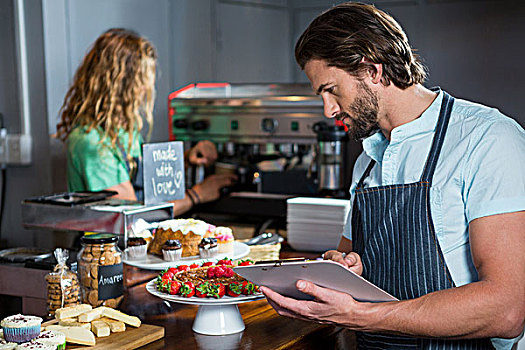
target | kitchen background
[{"x": 473, "y": 49}]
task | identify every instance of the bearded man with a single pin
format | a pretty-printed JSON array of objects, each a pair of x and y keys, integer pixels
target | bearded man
[{"x": 438, "y": 196}]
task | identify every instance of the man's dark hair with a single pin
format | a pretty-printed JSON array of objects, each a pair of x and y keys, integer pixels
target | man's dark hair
[{"x": 349, "y": 32}]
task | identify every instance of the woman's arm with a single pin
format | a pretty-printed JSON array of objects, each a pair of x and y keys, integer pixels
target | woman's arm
[{"x": 125, "y": 191}]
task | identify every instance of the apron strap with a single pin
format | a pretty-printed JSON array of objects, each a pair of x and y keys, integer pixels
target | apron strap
[
  {"x": 439, "y": 136},
  {"x": 366, "y": 173}
]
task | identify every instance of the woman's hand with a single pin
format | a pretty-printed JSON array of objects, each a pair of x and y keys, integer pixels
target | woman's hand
[
  {"x": 351, "y": 260},
  {"x": 209, "y": 189},
  {"x": 203, "y": 153}
]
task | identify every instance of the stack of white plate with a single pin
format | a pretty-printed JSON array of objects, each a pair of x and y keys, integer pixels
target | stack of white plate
[{"x": 316, "y": 224}]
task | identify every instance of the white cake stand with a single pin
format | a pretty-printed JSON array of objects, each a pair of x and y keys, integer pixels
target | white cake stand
[{"x": 215, "y": 316}]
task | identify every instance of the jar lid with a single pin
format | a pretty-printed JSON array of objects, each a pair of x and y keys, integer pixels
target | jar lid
[{"x": 99, "y": 238}]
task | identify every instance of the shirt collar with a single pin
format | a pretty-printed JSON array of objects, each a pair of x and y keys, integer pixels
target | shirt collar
[{"x": 375, "y": 145}]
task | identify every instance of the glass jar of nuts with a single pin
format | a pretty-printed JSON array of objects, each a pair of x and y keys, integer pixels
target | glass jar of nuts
[{"x": 100, "y": 270}]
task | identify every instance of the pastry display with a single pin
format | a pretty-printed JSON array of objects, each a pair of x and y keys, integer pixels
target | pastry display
[
  {"x": 137, "y": 248},
  {"x": 205, "y": 281},
  {"x": 172, "y": 250},
  {"x": 225, "y": 239},
  {"x": 189, "y": 232},
  {"x": 208, "y": 248},
  {"x": 20, "y": 328}
]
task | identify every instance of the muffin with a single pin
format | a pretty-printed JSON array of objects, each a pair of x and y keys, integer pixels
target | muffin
[
  {"x": 36, "y": 346},
  {"x": 5, "y": 345},
  {"x": 55, "y": 339},
  {"x": 20, "y": 328},
  {"x": 137, "y": 248},
  {"x": 172, "y": 250},
  {"x": 208, "y": 248},
  {"x": 225, "y": 239}
]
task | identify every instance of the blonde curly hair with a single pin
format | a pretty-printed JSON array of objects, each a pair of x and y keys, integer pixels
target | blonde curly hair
[{"x": 113, "y": 88}]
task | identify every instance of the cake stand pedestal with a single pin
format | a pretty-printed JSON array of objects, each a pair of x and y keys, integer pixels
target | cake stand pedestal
[
  {"x": 218, "y": 320},
  {"x": 215, "y": 316}
]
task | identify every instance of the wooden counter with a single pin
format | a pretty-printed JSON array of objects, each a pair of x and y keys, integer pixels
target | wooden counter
[{"x": 265, "y": 329}]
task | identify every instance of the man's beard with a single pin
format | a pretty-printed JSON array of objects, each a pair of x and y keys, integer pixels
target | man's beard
[{"x": 365, "y": 109}]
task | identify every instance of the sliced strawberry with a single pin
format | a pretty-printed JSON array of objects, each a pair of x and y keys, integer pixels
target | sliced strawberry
[
  {"x": 173, "y": 270},
  {"x": 187, "y": 290},
  {"x": 194, "y": 266},
  {"x": 174, "y": 287},
  {"x": 234, "y": 289},
  {"x": 228, "y": 272},
  {"x": 207, "y": 263},
  {"x": 248, "y": 288},
  {"x": 216, "y": 290},
  {"x": 219, "y": 271},
  {"x": 211, "y": 272},
  {"x": 183, "y": 267},
  {"x": 246, "y": 262},
  {"x": 201, "y": 290}
]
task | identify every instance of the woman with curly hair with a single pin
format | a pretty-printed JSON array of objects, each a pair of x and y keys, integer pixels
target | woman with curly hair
[{"x": 113, "y": 92}]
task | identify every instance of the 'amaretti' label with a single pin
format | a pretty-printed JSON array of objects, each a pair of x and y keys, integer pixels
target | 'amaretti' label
[{"x": 110, "y": 281}]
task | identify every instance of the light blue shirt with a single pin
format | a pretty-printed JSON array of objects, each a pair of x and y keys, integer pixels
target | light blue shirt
[{"x": 480, "y": 172}]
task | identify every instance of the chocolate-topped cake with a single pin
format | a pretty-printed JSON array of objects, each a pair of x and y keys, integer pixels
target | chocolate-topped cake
[
  {"x": 172, "y": 250},
  {"x": 188, "y": 231},
  {"x": 137, "y": 247},
  {"x": 208, "y": 248}
]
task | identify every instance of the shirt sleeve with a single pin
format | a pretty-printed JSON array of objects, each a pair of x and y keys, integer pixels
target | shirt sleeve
[
  {"x": 97, "y": 166},
  {"x": 493, "y": 180}
]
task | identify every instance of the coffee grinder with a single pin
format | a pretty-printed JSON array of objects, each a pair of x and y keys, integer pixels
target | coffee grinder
[{"x": 331, "y": 148}]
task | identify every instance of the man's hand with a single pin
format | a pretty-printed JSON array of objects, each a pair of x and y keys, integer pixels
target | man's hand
[
  {"x": 329, "y": 306},
  {"x": 209, "y": 189},
  {"x": 203, "y": 153},
  {"x": 351, "y": 260}
]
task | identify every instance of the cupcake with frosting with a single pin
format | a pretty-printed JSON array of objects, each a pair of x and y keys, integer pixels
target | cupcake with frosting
[
  {"x": 208, "y": 248},
  {"x": 137, "y": 248},
  {"x": 5, "y": 345},
  {"x": 55, "y": 339},
  {"x": 172, "y": 250},
  {"x": 35, "y": 346},
  {"x": 20, "y": 328},
  {"x": 224, "y": 238}
]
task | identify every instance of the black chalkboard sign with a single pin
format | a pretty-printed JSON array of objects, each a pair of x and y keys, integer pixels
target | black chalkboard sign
[
  {"x": 163, "y": 167},
  {"x": 110, "y": 281}
]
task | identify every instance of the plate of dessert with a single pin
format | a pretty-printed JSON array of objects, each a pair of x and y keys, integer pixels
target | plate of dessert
[
  {"x": 182, "y": 241},
  {"x": 215, "y": 288}
]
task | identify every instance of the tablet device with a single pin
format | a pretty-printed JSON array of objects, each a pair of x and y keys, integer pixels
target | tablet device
[{"x": 282, "y": 276}]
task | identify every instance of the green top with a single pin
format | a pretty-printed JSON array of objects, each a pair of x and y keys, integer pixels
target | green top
[{"x": 95, "y": 166}]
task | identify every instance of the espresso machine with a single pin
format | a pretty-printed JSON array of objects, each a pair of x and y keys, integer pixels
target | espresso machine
[{"x": 267, "y": 135}]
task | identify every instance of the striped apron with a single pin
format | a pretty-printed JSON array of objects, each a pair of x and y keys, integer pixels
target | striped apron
[{"x": 392, "y": 231}]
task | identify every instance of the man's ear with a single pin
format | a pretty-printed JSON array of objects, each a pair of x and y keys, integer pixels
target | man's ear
[{"x": 374, "y": 71}]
